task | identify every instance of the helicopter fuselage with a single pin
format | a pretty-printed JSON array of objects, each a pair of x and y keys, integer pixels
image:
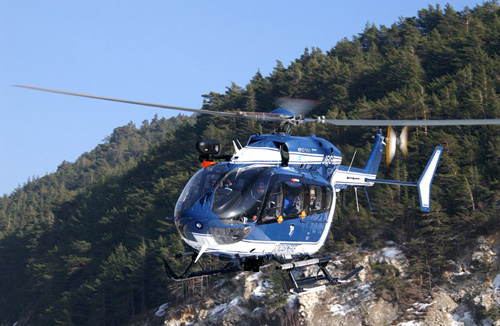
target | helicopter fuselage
[{"x": 275, "y": 196}]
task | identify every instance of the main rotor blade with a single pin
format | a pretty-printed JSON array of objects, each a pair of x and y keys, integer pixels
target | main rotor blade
[
  {"x": 264, "y": 116},
  {"x": 382, "y": 123}
]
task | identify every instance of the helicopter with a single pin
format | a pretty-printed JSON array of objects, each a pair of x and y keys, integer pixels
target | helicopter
[{"x": 274, "y": 198}]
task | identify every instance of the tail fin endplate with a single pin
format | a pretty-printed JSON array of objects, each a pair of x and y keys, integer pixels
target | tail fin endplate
[{"x": 425, "y": 181}]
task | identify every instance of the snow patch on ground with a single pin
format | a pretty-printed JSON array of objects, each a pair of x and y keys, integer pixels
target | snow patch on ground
[
  {"x": 224, "y": 307},
  {"x": 496, "y": 284},
  {"x": 161, "y": 311},
  {"x": 410, "y": 323},
  {"x": 260, "y": 290},
  {"x": 422, "y": 306},
  {"x": 255, "y": 276},
  {"x": 338, "y": 309},
  {"x": 262, "y": 286},
  {"x": 391, "y": 252},
  {"x": 292, "y": 300},
  {"x": 467, "y": 319}
]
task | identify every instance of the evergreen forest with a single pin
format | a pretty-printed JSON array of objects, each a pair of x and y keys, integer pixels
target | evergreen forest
[{"x": 83, "y": 245}]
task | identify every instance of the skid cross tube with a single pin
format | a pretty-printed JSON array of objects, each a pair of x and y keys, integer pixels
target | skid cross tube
[{"x": 298, "y": 283}]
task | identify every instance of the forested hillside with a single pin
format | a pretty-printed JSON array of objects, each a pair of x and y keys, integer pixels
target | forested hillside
[{"x": 84, "y": 245}]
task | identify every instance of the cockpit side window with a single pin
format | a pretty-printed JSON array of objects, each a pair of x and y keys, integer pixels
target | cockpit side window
[
  {"x": 273, "y": 205},
  {"x": 239, "y": 194},
  {"x": 294, "y": 200},
  {"x": 285, "y": 199}
]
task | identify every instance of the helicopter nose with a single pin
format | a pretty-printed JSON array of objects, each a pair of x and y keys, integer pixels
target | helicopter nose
[
  {"x": 221, "y": 234},
  {"x": 187, "y": 227},
  {"x": 230, "y": 235},
  {"x": 185, "y": 231}
]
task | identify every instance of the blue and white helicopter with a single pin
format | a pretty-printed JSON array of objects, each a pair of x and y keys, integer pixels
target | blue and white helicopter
[{"x": 275, "y": 197}]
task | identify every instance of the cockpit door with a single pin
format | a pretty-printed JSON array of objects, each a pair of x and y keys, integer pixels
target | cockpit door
[{"x": 281, "y": 214}]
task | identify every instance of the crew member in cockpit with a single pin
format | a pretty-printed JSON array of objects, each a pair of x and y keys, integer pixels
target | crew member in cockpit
[
  {"x": 259, "y": 191},
  {"x": 210, "y": 187},
  {"x": 312, "y": 199},
  {"x": 292, "y": 204},
  {"x": 258, "y": 195},
  {"x": 228, "y": 184}
]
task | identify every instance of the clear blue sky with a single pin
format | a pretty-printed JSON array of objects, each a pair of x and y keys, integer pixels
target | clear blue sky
[{"x": 160, "y": 51}]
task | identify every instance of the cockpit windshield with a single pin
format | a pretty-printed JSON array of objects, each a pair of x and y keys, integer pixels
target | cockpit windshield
[
  {"x": 200, "y": 184},
  {"x": 239, "y": 194}
]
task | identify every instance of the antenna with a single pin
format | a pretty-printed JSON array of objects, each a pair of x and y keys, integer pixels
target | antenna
[
  {"x": 357, "y": 202},
  {"x": 353, "y": 156}
]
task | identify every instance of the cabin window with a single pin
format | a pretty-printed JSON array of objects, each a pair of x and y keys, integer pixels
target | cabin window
[
  {"x": 289, "y": 199},
  {"x": 315, "y": 199},
  {"x": 327, "y": 198},
  {"x": 318, "y": 199}
]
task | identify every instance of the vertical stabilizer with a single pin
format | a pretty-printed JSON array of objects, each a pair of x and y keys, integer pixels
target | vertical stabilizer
[
  {"x": 424, "y": 184},
  {"x": 373, "y": 162}
]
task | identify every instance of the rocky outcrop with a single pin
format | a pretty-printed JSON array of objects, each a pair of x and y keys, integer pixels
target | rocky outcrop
[{"x": 470, "y": 296}]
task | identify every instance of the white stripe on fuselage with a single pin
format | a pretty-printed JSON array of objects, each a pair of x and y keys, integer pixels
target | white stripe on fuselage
[
  {"x": 252, "y": 155},
  {"x": 352, "y": 178}
]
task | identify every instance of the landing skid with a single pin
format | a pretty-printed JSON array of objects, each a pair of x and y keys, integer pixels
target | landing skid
[
  {"x": 230, "y": 267},
  {"x": 234, "y": 265},
  {"x": 298, "y": 286}
]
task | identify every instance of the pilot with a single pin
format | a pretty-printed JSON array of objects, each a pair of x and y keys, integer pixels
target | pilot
[
  {"x": 209, "y": 188},
  {"x": 259, "y": 191},
  {"x": 291, "y": 205},
  {"x": 258, "y": 194},
  {"x": 312, "y": 199},
  {"x": 228, "y": 184}
]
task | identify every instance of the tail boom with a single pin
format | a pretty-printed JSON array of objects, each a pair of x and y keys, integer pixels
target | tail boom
[{"x": 346, "y": 176}]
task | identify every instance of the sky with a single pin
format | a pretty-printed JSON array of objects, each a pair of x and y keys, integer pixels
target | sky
[{"x": 158, "y": 51}]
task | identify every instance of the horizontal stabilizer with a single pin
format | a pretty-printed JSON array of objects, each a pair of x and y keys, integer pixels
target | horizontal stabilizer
[{"x": 424, "y": 184}]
